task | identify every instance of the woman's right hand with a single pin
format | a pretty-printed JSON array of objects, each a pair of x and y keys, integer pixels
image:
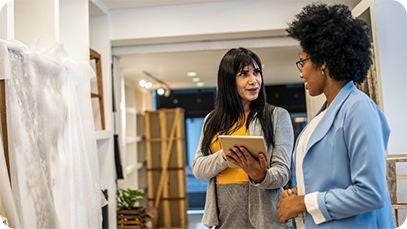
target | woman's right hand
[
  {"x": 256, "y": 169},
  {"x": 288, "y": 192},
  {"x": 290, "y": 205}
]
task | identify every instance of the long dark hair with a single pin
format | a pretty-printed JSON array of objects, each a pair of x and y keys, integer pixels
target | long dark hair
[{"x": 228, "y": 108}]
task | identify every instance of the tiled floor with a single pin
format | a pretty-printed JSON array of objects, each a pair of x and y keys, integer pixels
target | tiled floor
[
  {"x": 196, "y": 200},
  {"x": 195, "y": 219}
]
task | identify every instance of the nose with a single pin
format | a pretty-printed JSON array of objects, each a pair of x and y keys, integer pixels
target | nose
[
  {"x": 301, "y": 76},
  {"x": 252, "y": 79}
]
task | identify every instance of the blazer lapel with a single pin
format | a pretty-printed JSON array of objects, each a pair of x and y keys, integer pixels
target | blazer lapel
[{"x": 326, "y": 122}]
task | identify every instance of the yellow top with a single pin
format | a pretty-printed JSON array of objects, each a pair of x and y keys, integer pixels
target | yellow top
[{"x": 231, "y": 175}]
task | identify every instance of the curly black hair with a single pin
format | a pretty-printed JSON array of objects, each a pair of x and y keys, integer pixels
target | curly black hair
[{"x": 329, "y": 34}]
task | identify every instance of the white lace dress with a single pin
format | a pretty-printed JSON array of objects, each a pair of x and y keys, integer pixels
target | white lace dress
[{"x": 53, "y": 158}]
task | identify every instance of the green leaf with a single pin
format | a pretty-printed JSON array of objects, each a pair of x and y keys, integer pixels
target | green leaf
[{"x": 127, "y": 198}]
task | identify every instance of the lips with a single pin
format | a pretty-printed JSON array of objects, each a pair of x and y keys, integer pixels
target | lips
[{"x": 253, "y": 89}]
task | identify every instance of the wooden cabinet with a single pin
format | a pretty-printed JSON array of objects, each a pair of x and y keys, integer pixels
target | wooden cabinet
[{"x": 165, "y": 147}]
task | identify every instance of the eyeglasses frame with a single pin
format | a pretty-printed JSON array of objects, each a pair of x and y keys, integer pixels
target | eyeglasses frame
[{"x": 300, "y": 63}]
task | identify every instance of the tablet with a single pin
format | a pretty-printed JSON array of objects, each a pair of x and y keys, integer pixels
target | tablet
[{"x": 255, "y": 144}]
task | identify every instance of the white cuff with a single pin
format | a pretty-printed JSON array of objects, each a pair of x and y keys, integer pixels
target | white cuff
[{"x": 311, "y": 203}]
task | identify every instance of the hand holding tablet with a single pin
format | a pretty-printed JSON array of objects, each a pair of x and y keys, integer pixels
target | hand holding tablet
[{"x": 254, "y": 144}]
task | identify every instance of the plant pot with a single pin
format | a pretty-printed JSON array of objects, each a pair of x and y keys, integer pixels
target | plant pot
[{"x": 132, "y": 219}]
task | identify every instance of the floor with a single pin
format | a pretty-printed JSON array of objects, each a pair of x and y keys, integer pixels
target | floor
[
  {"x": 195, "y": 219},
  {"x": 196, "y": 200}
]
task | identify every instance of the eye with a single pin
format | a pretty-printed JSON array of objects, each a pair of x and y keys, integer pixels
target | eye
[
  {"x": 257, "y": 72},
  {"x": 244, "y": 73}
]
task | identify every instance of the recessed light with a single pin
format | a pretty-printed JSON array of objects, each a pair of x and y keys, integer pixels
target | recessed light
[
  {"x": 200, "y": 84},
  {"x": 142, "y": 83},
  {"x": 196, "y": 79},
  {"x": 148, "y": 85},
  {"x": 191, "y": 74}
]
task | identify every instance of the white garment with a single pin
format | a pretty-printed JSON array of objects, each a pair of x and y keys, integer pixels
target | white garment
[
  {"x": 79, "y": 147},
  {"x": 3, "y": 223},
  {"x": 29, "y": 163},
  {"x": 53, "y": 154},
  {"x": 300, "y": 154},
  {"x": 6, "y": 195}
]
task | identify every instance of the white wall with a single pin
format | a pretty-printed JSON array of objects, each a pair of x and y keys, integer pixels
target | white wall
[
  {"x": 100, "y": 42},
  {"x": 391, "y": 21},
  {"x": 391, "y": 32},
  {"x": 197, "y": 19},
  {"x": 43, "y": 19},
  {"x": 73, "y": 28},
  {"x": 6, "y": 19}
]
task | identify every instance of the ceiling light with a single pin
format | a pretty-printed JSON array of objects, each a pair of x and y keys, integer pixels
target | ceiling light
[
  {"x": 191, "y": 74},
  {"x": 148, "y": 85},
  {"x": 196, "y": 79},
  {"x": 142, "y": 83},
  {"x": 200, "y": 84},
  {"x": 162, "y": 91}
]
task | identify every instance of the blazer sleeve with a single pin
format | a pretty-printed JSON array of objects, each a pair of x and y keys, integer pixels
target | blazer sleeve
[{"x": 366, "y": 134}]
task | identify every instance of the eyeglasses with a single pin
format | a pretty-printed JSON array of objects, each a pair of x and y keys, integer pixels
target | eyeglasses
[{"x": 300, "y": 63}]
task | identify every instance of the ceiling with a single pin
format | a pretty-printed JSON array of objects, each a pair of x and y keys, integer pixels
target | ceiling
[
  {"x": 171, "y": 63},
  {"x": 125, "y": 4}
]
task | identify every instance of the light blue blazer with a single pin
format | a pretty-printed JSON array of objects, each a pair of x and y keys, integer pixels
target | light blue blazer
[{"x": 345, "y": 162}]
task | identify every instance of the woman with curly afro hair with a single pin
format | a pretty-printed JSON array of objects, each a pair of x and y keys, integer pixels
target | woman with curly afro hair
[{"x": 339, "y": 160}]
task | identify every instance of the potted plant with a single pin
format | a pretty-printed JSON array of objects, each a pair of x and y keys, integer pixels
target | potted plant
[
  {"x": 127, "y": 198},
  {"x": 129, "y": 214}
]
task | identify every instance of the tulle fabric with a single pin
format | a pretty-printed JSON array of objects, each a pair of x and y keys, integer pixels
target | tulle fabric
[
  {"x": 53, "y": 156},
  {"x": 7, "y": 200}
]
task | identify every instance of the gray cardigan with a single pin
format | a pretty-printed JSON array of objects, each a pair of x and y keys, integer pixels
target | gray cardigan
[{"x": 263, "y": 197}]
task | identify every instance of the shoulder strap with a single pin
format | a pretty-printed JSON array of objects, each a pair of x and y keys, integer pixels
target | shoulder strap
[
  {"x": 268, "y": 122},
  {"x": 269, "y": 109}
]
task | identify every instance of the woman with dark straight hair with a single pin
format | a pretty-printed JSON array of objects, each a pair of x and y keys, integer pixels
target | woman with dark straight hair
[{"x": 243, "y": 197}]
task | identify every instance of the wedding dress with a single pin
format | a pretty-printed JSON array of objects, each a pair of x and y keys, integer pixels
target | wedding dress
[
  {"x": 29, "y": 162},
  {"x": 79, "y": 143},
  {"x": 53, "y": 152}
]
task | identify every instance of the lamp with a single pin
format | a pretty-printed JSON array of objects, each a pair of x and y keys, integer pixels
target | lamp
[
  {"x": 160, "y": 91},
  {"x": 164, "y": 90}
]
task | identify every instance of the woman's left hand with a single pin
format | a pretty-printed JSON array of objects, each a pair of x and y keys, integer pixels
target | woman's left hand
[{"x": 254, "y": 167}]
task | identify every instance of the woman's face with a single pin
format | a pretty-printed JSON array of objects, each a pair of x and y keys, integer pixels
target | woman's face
[
  {"x": 313, "y": 78},
  {"x": 248, "y": 82}
]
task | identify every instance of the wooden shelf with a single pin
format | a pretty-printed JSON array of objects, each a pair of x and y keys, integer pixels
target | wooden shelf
[
  {"x": 103, "y": 135},
  {"x": 133, "y": 139},
  {"x": 130, "y": 169}
]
